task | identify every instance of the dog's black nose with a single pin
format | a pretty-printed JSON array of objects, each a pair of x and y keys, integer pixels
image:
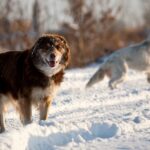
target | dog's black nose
[{"x": 52, "y": 56}]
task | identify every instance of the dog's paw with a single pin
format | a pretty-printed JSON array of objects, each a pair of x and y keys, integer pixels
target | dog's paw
[
  {"x": 112, "y": 87},
  {"x": 2, "y": 129},
  {"x": 148, "y": 80},
  {"x": 26, "y": 122}
]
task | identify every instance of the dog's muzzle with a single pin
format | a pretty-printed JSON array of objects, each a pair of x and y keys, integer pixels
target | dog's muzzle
[{"x": 52, "y": 60}]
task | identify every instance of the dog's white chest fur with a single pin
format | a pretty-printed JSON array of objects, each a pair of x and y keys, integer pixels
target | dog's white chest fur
[{"x": 39, "y": 93}]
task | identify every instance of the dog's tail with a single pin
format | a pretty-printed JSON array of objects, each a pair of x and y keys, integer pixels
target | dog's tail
[{"x": 98, "y": 76}]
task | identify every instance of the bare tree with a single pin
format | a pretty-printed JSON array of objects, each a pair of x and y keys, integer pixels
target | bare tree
[
  {"x": 36, "y": 17},
  {"x": 89, "y": 33}
]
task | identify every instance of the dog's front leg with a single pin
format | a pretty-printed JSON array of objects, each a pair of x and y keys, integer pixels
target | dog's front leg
[
  {"x": 148, "y": 77},
  {"x": 118, "y": 74},
  {"x": 44, "y": 107},
  {"x": 25, "y": 110},
  {"x": 2, "y": 123},
  {"x": 2, "y": 126}
]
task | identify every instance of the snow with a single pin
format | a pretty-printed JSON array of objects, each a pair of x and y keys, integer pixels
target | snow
[{"x": 95, "y": 118}]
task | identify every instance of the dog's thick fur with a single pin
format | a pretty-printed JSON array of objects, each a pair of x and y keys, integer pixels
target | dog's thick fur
[
  {"x": 136, "y": 57},
  {"x": 32, "y": 76}
]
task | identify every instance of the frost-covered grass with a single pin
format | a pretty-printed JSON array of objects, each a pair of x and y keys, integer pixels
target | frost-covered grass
[{"x": 97, "y": 118}]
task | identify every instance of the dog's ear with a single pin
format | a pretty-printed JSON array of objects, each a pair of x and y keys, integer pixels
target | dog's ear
[
  {"x": 33, "y": 49},
  {"x": 36, "y": 45},
  {"x": 66, "y": 55}
]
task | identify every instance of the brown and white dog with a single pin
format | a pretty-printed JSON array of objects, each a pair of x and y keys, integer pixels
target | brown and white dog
[{"x": 32, "y": 76}]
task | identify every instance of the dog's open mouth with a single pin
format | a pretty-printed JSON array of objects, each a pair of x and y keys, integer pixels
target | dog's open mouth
[{"x": 52, "y": 63}]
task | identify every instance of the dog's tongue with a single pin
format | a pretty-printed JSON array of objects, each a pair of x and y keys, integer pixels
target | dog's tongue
[{"x": 52, "y": 63}]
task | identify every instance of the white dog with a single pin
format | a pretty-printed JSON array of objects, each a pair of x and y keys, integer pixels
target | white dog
[{"x": 136, "y": 57}]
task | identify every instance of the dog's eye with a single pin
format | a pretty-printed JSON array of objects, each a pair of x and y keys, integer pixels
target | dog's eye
[
  {"x": 57, "y": 46},
  {"x": 50, "y": 47},
  {"x": 48, "y": 44}
]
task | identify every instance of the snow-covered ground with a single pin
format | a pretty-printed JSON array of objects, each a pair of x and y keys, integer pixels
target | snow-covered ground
[{"x": 79, "y": 119}]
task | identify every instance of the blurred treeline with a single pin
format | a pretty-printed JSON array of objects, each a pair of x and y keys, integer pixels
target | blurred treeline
[{"x": 90, "y": 35}]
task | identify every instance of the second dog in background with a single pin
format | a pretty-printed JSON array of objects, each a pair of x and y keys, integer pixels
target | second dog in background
[{"x": 136, "y": 57}]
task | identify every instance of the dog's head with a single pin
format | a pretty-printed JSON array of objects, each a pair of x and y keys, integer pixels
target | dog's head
[{"x": 50, "y": 54}]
